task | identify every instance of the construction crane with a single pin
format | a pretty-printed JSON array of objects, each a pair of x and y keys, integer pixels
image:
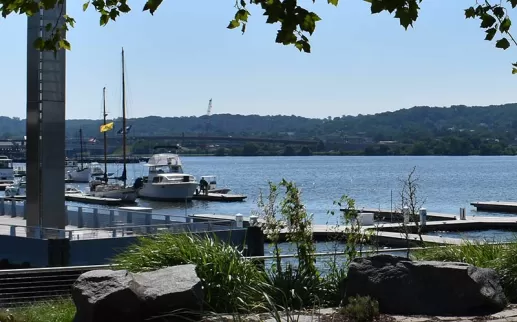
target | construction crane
[{"x": 208, "y": 114}]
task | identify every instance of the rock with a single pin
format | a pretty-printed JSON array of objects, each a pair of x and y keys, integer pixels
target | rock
[
  {"x": 106, "y": 295},
  {"x": 410, "y": 287}
]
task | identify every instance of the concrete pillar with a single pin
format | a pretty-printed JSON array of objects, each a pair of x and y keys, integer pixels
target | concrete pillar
[
  {"x": 46, "y": 73},
  {"x": 239, "y": 220}
]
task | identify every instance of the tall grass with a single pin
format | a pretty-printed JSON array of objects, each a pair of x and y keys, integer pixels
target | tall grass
[
  {"x": 230, "y": 282},
  {"x": 500, "y": 257},
  {"x": 52, "y": 311}
]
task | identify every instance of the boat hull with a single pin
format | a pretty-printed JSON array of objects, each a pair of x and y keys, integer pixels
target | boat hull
[
  {"x": 79, "y": 175},
  {"x": 127, "y": 195},
  {"x": 168, "y": 192}
]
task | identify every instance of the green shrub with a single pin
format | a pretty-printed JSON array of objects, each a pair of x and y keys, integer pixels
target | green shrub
[
  {"x": 230, "y": 282},
  {"x": 361, "y": 309}
]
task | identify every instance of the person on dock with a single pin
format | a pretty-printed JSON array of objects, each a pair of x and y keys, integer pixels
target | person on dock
[{"x": 203, "y": 186}]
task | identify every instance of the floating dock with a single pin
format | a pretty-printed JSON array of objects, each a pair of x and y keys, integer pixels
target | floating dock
[
  {"x": 77, "y": 197},
  {"x": 496, "y": 206},
  {"x": 224, "y": 197},
  {"x": 385, "y": 215}
]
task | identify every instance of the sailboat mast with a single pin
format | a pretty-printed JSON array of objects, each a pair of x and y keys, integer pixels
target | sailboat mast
[
  {"x": 124, "y": 175},
  {"x": 105, "y": 136},
  {"x": 81, "y": 144}
]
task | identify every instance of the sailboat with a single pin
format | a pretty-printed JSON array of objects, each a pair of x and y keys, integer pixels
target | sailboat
[
  {"x": 102, "y": 188},
  {"x": 80, "y": 172}
]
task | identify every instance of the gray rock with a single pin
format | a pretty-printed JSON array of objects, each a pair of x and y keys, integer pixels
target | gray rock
[
  {"x": 105, "y": 295},
  {"x": 410, "y": 287}
]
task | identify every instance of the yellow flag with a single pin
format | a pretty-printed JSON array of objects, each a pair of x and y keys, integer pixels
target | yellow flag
[{"x": 107, "y": 127}]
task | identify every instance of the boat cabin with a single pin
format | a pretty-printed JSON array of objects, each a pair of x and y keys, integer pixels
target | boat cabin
[
  {"x": 169, "y": 178},
  {"x": 164, "y": 163}
]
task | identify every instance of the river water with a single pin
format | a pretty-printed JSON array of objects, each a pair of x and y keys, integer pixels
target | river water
[{"x": 445, "y": 183}]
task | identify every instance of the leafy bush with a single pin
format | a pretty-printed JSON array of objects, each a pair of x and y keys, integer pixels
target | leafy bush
[
  {"x": 361, "y": 309},
  {"x": 230, "y": 282}
]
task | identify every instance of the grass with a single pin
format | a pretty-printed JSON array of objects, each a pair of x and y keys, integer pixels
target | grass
[
  {"x": 500, "y": 257},
  {"x": 53, "y": 311},
  {"x": 230, "y": 282}
]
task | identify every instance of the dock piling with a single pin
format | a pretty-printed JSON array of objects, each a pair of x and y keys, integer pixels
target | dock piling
[
  {"x": 423, "y": 217},
  {"x": 463, "y": 214},
  {"x": 80, "y": 222},
  {"x": 405, "y": 214},
  {"x": 2, "y": 207},
  {"x": 13, "y": 208},
  {"x": 239, "y": 220}
]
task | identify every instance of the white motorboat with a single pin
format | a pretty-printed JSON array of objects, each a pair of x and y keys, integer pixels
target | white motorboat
[{"x": 166, "y": 180}]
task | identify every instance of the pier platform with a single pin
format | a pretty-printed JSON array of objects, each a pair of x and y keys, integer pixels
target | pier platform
[
  {"x": 223, "y": 197},
  {"x": 496, "y": 206}
]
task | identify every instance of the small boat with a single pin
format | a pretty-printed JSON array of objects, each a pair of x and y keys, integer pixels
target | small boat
[{"x": 19, "y": 189}]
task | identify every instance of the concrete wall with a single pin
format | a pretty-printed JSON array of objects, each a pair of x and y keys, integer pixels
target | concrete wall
[{"x": 20, "y": 249}]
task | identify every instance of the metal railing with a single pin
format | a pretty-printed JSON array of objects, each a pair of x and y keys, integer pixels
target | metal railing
[{"x": 120, "y": 230}]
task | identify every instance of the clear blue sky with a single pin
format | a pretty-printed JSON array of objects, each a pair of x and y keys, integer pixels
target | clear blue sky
[{"x": 184, "y": 55}]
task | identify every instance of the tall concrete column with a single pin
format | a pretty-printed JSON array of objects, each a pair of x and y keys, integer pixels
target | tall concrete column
[{"x": 46, "y": 77}]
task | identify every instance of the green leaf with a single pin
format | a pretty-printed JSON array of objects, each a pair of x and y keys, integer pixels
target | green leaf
[
  {"x": 502, "y": 43},
  {"x": 85, "y": 5},
  {"x": 514, "y": 64},
  {"x": 487, "y": 21},
  {"x": 470, "y": 13},
  {"x": 63, "y": 43},
  {"x": 505, "y": 25},
  {"x": 377, "y": 6},
  {"x": 233, "y": 24},
  {"x": 243, "y": 3},
  {"x": 514, "y": 70},
  {"x": 335, "y": 2},
  {"x": 498, "y": 12},
  {"x": 124, "y": 8},
  {"x": 514, "y": 3},
  {"x": 152, "y": 5},
  {"x": 241, "y": 15},
  {"x": 104, "y": 19},
  {"x": 39, "y": 43},
  {"x": 490, "y": 33},
  {"x": 48, "y": 27},
  {"x": 243, "y": 29}
]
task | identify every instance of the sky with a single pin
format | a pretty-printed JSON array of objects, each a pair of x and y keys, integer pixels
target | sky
[{"x": 184, "y": 55}]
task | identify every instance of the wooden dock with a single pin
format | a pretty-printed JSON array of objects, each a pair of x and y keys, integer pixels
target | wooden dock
[
  {"x": 496, "y": 206},
  {"x": 77, "y": 197},
  {"x": 223, "y": 197}
]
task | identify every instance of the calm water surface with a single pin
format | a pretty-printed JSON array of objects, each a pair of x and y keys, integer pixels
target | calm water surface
[{"x": 446, "y": 183}]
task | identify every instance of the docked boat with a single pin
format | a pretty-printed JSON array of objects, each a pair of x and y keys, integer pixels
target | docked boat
[
  {"x": 100, "y": 187},
  {"x": 78, "y": 171},
  {"x": 19, "y": 189},
  {"x": 166, "y": 180},
  {"x": 20, "y": 172}
]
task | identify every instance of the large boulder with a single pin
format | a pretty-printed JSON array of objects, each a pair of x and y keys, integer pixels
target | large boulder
[
  {"x": 105, "y": 295},
  {"x": 410, "y": 287}
]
